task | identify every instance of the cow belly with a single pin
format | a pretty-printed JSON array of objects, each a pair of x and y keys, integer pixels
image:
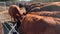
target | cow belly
[{"x": 35, "y": 28}]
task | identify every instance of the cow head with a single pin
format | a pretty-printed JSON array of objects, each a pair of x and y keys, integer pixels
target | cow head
[{"x": 16, "y": 12}]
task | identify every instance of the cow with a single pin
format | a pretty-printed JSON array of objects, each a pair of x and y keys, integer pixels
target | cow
[{"x": 33, "y": 23}]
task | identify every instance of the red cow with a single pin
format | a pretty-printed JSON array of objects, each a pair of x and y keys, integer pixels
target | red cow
[{"x": 36, "y": 24}]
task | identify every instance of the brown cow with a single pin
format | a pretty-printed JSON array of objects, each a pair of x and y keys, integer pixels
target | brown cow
[{"x": 36, "y": 24}]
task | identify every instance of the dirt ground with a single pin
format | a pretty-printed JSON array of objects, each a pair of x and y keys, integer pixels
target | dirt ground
[{"x": 4, "y": 16}]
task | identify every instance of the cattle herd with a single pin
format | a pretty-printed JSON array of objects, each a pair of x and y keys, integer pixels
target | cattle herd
[{"x": 36, "y": 18}]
